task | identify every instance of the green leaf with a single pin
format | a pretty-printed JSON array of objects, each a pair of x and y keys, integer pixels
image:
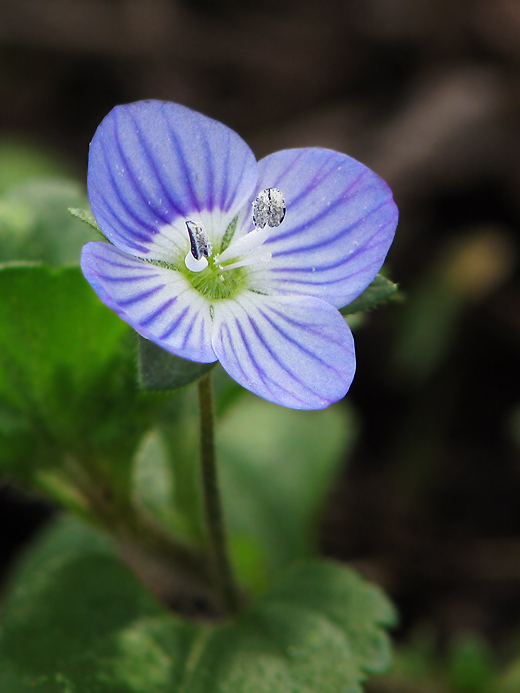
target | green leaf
[
  {"x": 160, "y": 370},
  {"x": 21, "y": 160},
  {"x": 381, "y": 290},
  {"x": 79, "y": 621},
  {"x": 471, "y": 668},
  {"x": 86, "y": 216},
  {"x": 319, "y": 629},
  {"x": 67, "y": 384},
  {"x": 277, "y": 467},
  {"x": 35, "y": 224}
]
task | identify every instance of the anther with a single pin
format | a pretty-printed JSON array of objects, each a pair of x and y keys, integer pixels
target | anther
[
  {"x": 269, "y": 208},
  {"x": 200, "y": 243}
]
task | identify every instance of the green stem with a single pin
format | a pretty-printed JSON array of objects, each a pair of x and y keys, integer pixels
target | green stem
[{"x": 218, "y": 553}]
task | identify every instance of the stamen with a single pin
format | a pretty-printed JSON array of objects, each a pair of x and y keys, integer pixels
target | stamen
[
  {"x": 269, "y": 208},
  {"x": 251, "y": 260},
  {"x": 245, "y": 244},
  {"x": 201, "y": 248},
  {"x": 199, "y": 240}
]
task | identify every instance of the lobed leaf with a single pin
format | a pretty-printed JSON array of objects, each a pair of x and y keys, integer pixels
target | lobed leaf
[
  {"x": 78, "y": 621},
  {"x": 66, "y": 374}
]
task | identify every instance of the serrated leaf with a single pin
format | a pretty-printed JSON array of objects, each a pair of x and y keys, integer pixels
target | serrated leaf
[
  {"x": 79, "y": 621},
  {"x": 35, "y": 224},
  {"x": 379, "y": 291},
  {"x": 160, "y": 370},
  {"x": 319, "y": 629},
  {"x": 66, "y": 373},
  {"x": 85, "y": 215}
]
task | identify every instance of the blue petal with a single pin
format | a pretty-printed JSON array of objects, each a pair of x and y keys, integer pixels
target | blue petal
[
  {"x": 157, "y": 302},
  {"x": 339, "y": 225},
  {"x": 154, "y": 164},
  {"x": 291, "y": 350}
]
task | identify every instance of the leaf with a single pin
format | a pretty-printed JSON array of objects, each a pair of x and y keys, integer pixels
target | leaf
[
  {"x": 66, "y": 374},
  {"x": 381, "y": 290},
  {"x": 160, "y": 370},
  {"x": 35, "y": 224},
  {"x": 321, "y": 628},
  {"x": 86, "y": 216},
  {"x": 277, "y": 467},
  {"x": 78, "y": 620},
  {"x": 21, "y": 160}
]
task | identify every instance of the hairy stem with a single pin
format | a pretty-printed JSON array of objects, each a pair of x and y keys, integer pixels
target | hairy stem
[{"x": 217, "y": 547}]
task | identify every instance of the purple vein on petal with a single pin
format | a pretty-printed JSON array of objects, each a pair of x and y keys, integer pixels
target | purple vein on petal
[
  {"x": 262, "y": 374},
  {"x": 278, "y": 181},
  {"x": 316, "y": 181},
  {"x": 188, "y": 330},
  {"x": 330, "y": 239},
  {"x": 275, "y": 358},
  {"x": 121, "y": 195},
  {"x": 238, "y": 362},
  {"x": 210, "y": 176},
  {"x": 125, "y": 265},
  {"x": 298, "y": 344},
  {"x": 140, "y": 297},
  {"x": 318, "y": 218},
  {"x": 182, "y": 162},
  {"x": 153, "y": 316},
  {"x": 175, "y": 324},
  {"x": 151, "y": 162},
  {"x": 130, "y": 177},
  {"x": 134, "y": 181},
  {"x": 124, "y": 280},
  {"x": 130, "y": 236},
  {"x": 226, "y": 204}
]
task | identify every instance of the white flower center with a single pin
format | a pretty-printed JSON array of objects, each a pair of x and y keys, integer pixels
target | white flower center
[{"x": 268, "y": 212}]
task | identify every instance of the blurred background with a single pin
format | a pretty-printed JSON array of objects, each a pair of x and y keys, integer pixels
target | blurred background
[{"x": 427, "y": 93}]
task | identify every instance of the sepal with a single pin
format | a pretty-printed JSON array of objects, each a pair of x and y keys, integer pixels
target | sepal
[
  {"x": 160, "y": 370},
  {"x": 379, "y": 291}
]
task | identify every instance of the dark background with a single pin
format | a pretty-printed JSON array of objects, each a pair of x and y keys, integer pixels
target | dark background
[{"x": 427, "y": 93}]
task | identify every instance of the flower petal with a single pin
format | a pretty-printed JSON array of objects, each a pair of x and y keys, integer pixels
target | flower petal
[
  {"x": 157, "y": 302},
  {"x": 339, "y": 225},
  {"x": 291, "y": 350},
  {"x": 154, "y": 165}
]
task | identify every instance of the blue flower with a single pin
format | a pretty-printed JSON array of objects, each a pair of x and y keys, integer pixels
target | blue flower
[{"x": 215, "y": 256}]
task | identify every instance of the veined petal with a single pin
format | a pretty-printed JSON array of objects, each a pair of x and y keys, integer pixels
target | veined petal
[
  {"x": 291, "y": 350},
  {"x": 154, "y": 165},
  {"x": 157, "y": 302},
  {"x": 339, "y": 225}
]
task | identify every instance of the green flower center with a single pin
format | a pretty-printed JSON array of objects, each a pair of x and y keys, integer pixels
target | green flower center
[{"x": 215, "y": 283}]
